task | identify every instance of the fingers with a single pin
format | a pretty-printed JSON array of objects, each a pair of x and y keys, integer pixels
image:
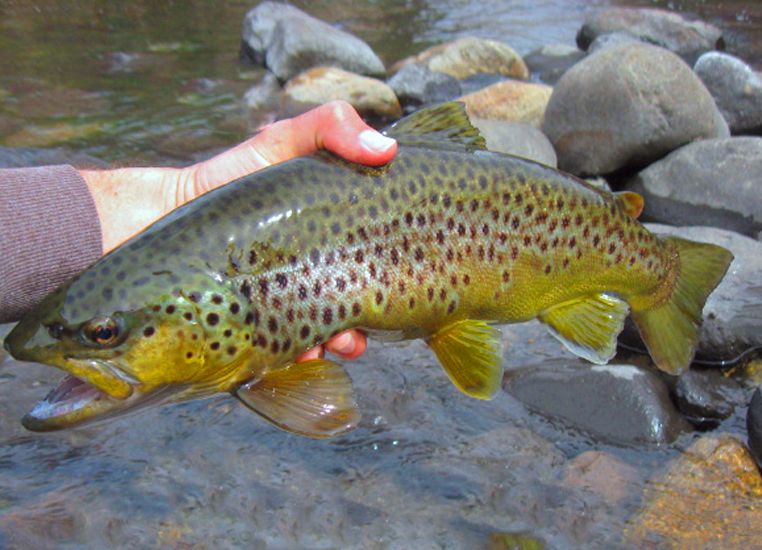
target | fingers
[{"x": 350, "y": 344}]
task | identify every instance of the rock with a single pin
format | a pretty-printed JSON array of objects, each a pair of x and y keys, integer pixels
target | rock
[
  {"x": 20, "y": 157},
  {"x": 714, "y": 182},
  {"x": 469, "y": 56},
  {"x": 706, "y": 397},
  {"x": 600, "y": 473},
  {"x": 263, "y": 100},
  {"x": 289, "y": 41},
  {"x": 754, "y": 426},
  {"x": 708, "y": 498},
  {"x": 514, "y": 541},
  {"x": 521, "y": 140},
  {"x": 547, "y": 63},
  {"x": 672, "y": 31},
  {"x": 736, "y": 89},
  {"x": 733, "y": 312},
  {"x": 510, "y": 101},
  {"x": 314, "y": 87},
  {"x": 611, "y": 39},
  {"x": 626, "y": 106},
  {"x": 476, "y": 82},
  {"x": 619, "y": 404},
  {"x": 416, "y": 86}
]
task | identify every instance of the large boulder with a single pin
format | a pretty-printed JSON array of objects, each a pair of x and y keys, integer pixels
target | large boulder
[
  {"x": 626, "y": 106},
  {"x": 510, "y": 101},
  {"x": 289, "y": 41},
  {"x": 713, "y": 182},
  {"x": 314, "y": 87},
  {"x": 736, "y": 89},
  {"x": 688, "y": 39},
  {"x": 469, "y": 56}
]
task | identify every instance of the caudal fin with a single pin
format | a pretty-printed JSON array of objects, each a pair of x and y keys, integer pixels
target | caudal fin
[{"x": 670, "y": 330}]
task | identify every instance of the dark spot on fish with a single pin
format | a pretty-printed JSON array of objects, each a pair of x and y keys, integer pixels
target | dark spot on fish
[
  {"x": 547, "y": 269},
  {"x": 141, "y": 281},
  {"x": 232, "y": 350},
  {"x": 212, "y": 319},
  {"x": 189, "y": 355},
  {"x": 356, "y": 309},
  {"x": 170, "y": 309},
  {"x": 466, "y": 279},
  {"x": 149, "y": 331},
  {"x": 272, "y": 325},
  {"x": 263, "y": 287},
  {"x": 317, "y": 288},
  {"x": 107, "y": 293},
  {"x": 327, "y": 316},
  {"x": 359, "y": 256},
  {"x": 215, "y": 346},
  {"x": 305, "y": 332},
  {"x": 188, "y": 315},
  {"x": 234, "y": 308},
  {"x": 451, "y": 307},
  {"x": 379, "y": 297},
  {"x": 216, "y": 299}
]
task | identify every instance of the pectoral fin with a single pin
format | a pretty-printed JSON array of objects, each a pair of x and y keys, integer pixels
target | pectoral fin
[
  {"x": 471, "y": 354},
  {"x": 589, "y": 326},
  {"x": 313, "y": 398}
]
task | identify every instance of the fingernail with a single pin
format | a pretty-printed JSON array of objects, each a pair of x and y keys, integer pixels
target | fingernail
[
  {"x": 375, "y": 141},
  {"x": 343, "y": 344}
]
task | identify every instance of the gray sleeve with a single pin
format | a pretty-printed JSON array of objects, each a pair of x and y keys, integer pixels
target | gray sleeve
[{"x": 49, "y": 232}]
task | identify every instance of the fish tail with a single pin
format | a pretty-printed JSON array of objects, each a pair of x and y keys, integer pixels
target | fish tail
[{"x": 670, "y": 330}]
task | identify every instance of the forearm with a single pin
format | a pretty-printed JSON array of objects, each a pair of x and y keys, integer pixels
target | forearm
[{"x": 128, "y": 200}]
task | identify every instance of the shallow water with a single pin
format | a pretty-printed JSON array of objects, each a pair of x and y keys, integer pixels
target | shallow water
[{"x": 160, "y": 83}]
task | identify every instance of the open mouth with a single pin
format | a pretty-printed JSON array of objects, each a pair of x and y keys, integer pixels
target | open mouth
[{"x": 71, "y": 403}]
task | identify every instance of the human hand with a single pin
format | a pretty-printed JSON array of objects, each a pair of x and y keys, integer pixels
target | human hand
[{"x": 130, "y": 199}]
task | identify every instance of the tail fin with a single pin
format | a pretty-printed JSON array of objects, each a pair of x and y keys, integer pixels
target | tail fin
[{"x": 670, "y": 331}]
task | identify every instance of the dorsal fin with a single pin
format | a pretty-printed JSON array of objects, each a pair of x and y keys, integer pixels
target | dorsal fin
[
  {"x": 444, "y": 126},
  {"x": 631, "y": 203}
]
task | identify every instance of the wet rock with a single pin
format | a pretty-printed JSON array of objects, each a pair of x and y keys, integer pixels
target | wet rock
[
  {"x": 600, "y": 473},
  {"x": 469, "y": 56},
  {"x": 733, "y": 312},
  {"x": 626, "y": 106},
  {"x": 314, "y": 87},
  {"x": 416, "y": 86},
  {"x": 754, "y": 426},
  {"x": 611, "y": 39},
  {"x": 20, "y": 157},
  {"x": 714, "y": 182},
  {"x": 672, "y": 31},
  {"x": 263, "y": 100},
  {"x": 289, "y": 41},
  {"x": 476, "y": 82},
  {"x": 706, "y": 397},
  {"x": 620, "y": 404},
  {"x": 708, "y": 498},
  {"x": 510, "y": 101},
  {"x": 521, "y": 140},
  {"x": 736, "y": 89},
  {"x": 547, "y": 63}
]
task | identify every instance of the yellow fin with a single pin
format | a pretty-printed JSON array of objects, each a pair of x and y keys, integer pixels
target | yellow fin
[
  {"x": 313, "y": 398},
  {"x": 589, "y": 326},
  {"x": 670, "y": 331},
  {"x": 630, "y": 202},
  {"x": 471, "y": 354},
  {"x": 444, "y": 126}
]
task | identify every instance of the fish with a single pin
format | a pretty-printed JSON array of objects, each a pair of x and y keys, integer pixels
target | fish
[{"x": 443, "y": 243}]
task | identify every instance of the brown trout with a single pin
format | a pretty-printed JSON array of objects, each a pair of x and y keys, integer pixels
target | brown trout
[{"x": 448, "y": 239}]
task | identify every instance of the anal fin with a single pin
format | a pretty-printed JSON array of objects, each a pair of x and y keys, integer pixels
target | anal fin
[
  {"x": 588, "y": 326},
  {"x": 312, "y": 398},
  {"x": 471, "y": 354}
]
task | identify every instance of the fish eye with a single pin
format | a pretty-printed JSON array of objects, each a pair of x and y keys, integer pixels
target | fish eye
[
  {"x": 56, "y": 330},
  {"x": 103, "y": 331}
]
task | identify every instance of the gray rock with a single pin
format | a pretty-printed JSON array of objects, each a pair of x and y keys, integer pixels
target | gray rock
[
  {"x": 547, "y": 63},
  {"x": 754, "y": 426},
  {"x": 20, "y": 157},
  {"x": 688, "y": 39},
  {"x": 522, "y": 140},
  {"x": 626, "y": 106},
  {"x": 263, "y": 100},
  {"x": 620, "y": 404},
  {"x": 736, "y": 89},
  {"x": 477, "y": 82},
  {"x": 714, "y": 182},
  {"x": 416, "y": 85},
  {"x": 706, "y": 397},
  {"x": 289, "y": 41},
  {"x": 611, "y": 39},
  {"x": 733, "y": 313}
]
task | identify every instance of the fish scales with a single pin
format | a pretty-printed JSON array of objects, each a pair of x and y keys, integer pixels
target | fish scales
[{"x": 247, "y": 277}]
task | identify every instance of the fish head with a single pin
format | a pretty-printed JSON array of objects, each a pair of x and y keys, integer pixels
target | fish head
[{"x": 119, "y": 353}]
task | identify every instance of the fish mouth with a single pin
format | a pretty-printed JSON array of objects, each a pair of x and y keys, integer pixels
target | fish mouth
[{"x": 93, "y": 391}]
